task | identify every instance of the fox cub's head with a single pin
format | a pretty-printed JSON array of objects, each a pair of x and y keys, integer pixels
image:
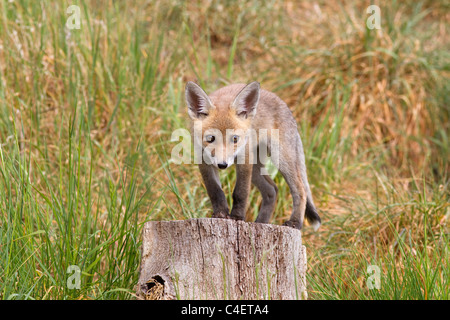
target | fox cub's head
[{"x": 222, "y": 122}]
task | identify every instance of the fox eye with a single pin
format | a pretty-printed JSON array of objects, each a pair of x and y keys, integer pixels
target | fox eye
[
  {"x": 235, "y": 139},
  {"x": 210, "y": 138}
]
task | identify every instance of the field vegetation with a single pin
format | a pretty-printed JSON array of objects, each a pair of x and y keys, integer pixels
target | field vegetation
[{"x": 86, "y": 117}]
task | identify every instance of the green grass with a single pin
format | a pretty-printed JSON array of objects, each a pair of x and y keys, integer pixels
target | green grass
[
  {"x": 413, "y": 263},
  {"x": 86, "y": 118}
]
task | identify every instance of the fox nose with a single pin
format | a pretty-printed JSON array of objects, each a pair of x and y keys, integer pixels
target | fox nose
[{"x": 222, "y": 165}]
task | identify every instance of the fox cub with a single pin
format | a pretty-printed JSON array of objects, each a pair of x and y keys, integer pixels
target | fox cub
[{"x": 243, "y": 125}]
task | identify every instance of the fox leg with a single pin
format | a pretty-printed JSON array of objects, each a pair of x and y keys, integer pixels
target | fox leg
[
  {"x": 298, "y": 193},
  {"x": 241, "y": 190},
  {"x": 268, "y": 190},
  {"x": 289, "y": 167},
  {"x": 211, "y": 179}
]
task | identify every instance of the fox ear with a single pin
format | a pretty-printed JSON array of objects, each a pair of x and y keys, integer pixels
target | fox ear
[
  {"x": 197, "y": 100},
  {"x": 246, "y": 101}
]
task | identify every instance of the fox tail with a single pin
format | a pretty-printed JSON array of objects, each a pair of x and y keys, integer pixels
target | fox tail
[{"x": 311, "y": 214}]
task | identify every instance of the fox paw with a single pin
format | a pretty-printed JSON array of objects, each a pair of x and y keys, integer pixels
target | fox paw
[
  {"x": 221, "y": 215},
  {"x": 236, "y": 217},
  {"x": 293, "y": 224}
]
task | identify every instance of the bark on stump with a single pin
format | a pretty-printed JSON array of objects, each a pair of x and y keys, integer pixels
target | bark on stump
[{"x": 221, "y": 259}]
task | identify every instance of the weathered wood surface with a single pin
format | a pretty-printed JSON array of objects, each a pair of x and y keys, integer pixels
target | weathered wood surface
[{"x": 221, "y": 259}]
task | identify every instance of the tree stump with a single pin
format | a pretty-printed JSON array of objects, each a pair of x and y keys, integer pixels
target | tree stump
[{"x": 221, "y": 259}]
